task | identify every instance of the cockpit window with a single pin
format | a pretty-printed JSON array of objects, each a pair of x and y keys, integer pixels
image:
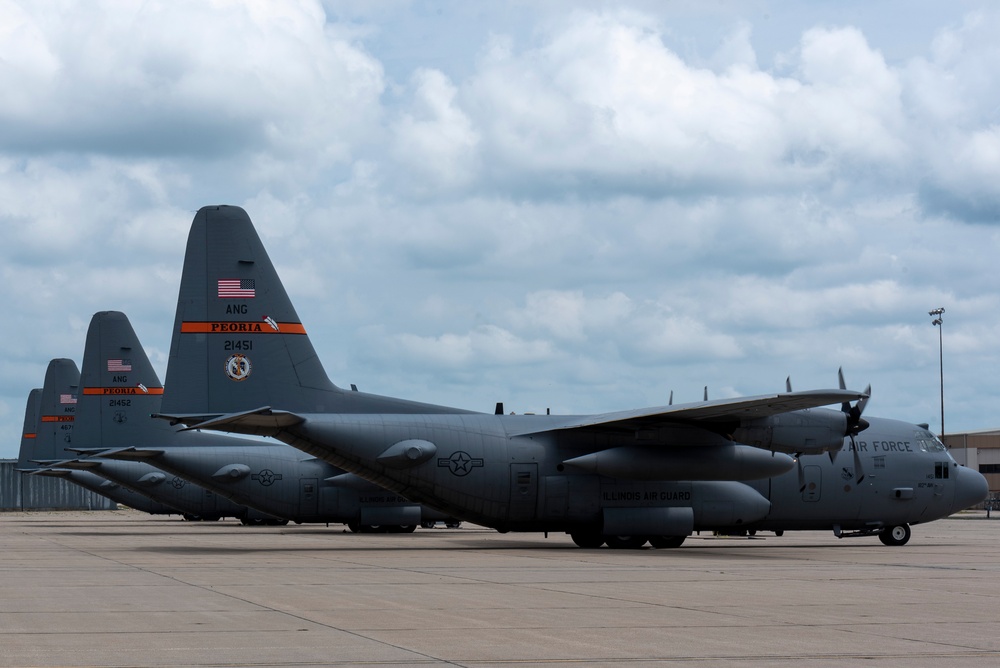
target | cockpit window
[
  {"x": 931, "y": 445},
  {"x": 928, "y": 442}
]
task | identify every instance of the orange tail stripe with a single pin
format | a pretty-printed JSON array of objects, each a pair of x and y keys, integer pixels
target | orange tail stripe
[
  {"x": 122, "y": 390},
  {"x": 241, "y": 327}
]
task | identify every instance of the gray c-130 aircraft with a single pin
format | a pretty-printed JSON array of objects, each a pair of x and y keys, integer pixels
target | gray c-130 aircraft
[
  {"x": 623, "y": 479},
  {"x": 49, "y": 419},
  {"x": 271, "y": 478}
]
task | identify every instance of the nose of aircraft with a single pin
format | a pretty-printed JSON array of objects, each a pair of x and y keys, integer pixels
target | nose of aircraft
[{"x": 970, "y": 488}]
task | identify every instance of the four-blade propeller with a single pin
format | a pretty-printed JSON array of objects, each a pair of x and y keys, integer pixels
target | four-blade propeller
[{"x": 855, "y": 424}]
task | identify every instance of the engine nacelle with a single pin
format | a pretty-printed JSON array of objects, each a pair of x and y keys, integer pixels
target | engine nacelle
[
  {"x": 711, "y": 462},
  {"x": 809, "y": 431}
]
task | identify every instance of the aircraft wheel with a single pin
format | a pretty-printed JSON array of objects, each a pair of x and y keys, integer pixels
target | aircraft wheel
[
  {"x": 354, "y": 527},
  {"x": 779, "y": 532},
  {"x": 452, "y": 525},
  {"x": 191, "y": 518},
  {"x": 401, "y": 528},
  {"x": 897, "y": 535},
  {"x": 625, "y": 542},
  {"x": 666, "y": 542},
  {"x": 587, "y": 539},
  {"x": 427, "y": 525},
  {"x": 275, "y": 522}
]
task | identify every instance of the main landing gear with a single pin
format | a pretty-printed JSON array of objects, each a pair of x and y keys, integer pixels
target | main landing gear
[
  {"x": 355, "y": 527},
  {"x": 263, "y": 522},
  {"x": 593, "y": 539}
]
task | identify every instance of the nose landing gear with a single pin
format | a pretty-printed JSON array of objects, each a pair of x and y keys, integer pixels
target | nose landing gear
[{"x": 895, "y": 535}]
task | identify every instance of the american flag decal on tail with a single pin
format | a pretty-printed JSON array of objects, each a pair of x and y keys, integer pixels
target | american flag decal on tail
[{"x": 236, "y": 288}]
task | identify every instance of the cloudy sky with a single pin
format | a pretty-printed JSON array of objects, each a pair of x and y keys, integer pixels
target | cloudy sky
[{"x": 580, "y": 206}]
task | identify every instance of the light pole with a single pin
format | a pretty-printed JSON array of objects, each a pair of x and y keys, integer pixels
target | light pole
[{"x": 939, "y": 323}]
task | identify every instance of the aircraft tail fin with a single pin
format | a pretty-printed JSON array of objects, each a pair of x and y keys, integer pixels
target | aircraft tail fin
[
  {"x": 238, "y": 343},
  {"x": 29, "y": 434},
  {"x": 121, "y": 391},
  {"x": 120, "y": 387},
  {"x": 237, "y": 340},
  {"x": 57, "y": 411}
]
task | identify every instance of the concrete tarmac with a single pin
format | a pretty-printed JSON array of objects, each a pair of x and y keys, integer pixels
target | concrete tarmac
[{"x": 117, "y": 588}]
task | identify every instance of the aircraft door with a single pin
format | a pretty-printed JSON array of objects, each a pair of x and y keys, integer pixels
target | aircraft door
[
  {"x": 555, "y": 494},
  {"x": 308, "y": 497},
  {"x": 209, "y": 503},
  {"x": 523, "y": 492},
  {"x": 812, "y": 478}
]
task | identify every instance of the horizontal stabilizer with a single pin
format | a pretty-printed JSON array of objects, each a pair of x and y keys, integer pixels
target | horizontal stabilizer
[
  {"x": 52, "y": 473},
  {"x": 86, "y": 451},
  {"x": 259, "y": 421},
  {"x": 133, "y": 454},
  {"x": 79, "y": 464}
]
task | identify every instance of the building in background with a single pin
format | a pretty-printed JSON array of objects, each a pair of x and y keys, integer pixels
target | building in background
[
  {"x": 979, "y": 450},
  {"x": 33, "y": 492}
]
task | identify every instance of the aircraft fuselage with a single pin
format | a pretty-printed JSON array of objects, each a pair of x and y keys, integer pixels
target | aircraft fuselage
[{"x": 470, "y": 466}]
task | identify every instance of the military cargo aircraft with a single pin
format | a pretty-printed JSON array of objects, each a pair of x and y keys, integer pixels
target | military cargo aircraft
[
  {"x": 117, "y": 394},
  {"x": 272, "y": 478},
  {"x": 49, "y": 419},
  {"x": 622, "y": 479}
]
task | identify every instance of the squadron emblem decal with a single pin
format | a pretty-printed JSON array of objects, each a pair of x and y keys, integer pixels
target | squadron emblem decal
[{"x": 238, "y": 367}]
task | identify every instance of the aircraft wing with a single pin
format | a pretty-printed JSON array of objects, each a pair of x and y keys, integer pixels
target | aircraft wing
[
  {"x": 815, "y": 432},
  {"x": 703, "y": 413}
]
